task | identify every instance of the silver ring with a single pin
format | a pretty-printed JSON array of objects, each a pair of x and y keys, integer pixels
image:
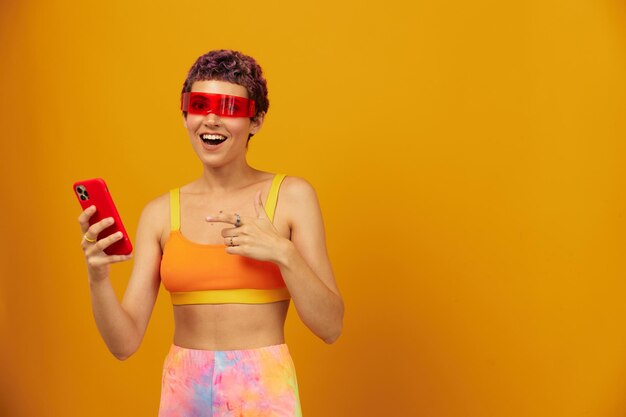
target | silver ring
[{"x": 237, "y": 220}]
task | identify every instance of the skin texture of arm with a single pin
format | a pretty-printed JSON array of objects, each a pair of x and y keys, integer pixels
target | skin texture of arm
[
  {"x": 123, "y": 325},
  {"x": 303, "y": 259},
  {"x": 306, "y": 268}
]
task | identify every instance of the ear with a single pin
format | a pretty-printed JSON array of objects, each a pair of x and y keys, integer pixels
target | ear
[
  {"x": 256, "y": 123},
  {"x": 185, "y": 121}
]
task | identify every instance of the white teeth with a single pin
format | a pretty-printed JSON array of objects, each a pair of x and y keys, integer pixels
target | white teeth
[{"x": 212, "y": 137}]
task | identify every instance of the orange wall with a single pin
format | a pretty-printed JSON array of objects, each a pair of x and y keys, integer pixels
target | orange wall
[{"x": 470, "y": 161}]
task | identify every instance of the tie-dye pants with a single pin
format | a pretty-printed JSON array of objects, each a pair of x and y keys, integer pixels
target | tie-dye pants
[{"x": 234, "y": 383}]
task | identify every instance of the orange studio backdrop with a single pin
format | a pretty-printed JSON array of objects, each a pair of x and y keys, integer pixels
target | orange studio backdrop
[{"x": 470, "y": 162}]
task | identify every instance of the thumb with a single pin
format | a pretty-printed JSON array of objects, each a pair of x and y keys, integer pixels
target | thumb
[{"x": 258, "y": 206}]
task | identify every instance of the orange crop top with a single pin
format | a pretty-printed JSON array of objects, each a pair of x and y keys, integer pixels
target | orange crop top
[{"x": 196, "y": 273}]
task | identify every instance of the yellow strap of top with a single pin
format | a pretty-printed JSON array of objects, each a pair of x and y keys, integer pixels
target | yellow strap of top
[
  {"x": 270, "y": 203},
  {"x": 272, "y": 197},
  {"x": 175, "y": 208}
]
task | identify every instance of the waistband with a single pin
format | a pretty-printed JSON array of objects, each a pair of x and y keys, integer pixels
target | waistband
[{"x": 200, "y": 356}]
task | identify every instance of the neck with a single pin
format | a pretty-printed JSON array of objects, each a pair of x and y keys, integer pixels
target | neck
[{"x": 227, "y": 177}]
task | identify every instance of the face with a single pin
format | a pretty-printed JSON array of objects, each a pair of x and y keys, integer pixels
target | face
[{"x": 219, "y": 140}]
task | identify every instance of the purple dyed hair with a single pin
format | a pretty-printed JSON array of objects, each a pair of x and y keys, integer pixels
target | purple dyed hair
[{"x": 234, "y": 67}]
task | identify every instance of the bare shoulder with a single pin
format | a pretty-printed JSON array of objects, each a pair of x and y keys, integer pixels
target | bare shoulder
[
  {"x": 298, "y": 202},
  {"x": 158, "y": 207},
  {"x": 155, "y": 214},
  {"x": 297, "y": 190}
]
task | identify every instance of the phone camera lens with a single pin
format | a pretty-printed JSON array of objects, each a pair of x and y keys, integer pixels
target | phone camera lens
[{"x": 82, "y": 192}]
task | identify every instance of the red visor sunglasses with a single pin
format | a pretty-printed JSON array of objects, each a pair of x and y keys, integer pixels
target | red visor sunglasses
[{"x": 219, "y": 104}]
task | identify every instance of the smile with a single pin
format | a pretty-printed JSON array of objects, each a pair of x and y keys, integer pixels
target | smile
[{"x": 212, "y": 139}]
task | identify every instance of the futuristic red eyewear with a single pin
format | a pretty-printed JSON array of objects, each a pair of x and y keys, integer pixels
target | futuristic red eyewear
[{"x": 218, "y": 104}]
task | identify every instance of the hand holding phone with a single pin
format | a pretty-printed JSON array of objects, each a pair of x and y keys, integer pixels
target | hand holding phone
[{"x": 94, "y": 192}]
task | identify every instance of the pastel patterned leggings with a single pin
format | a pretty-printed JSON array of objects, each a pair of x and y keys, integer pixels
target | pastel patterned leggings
[{"x": 233, "y": 383}]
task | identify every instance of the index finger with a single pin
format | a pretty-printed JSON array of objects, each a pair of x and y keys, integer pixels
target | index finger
[
  {"x": 224, "y": 218},
  {"x": 84, "y": 217}
]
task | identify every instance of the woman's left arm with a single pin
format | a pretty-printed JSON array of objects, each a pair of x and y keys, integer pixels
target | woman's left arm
[
  {"x": 304, "y": 262},
  {"x": 302, "y": 259}
]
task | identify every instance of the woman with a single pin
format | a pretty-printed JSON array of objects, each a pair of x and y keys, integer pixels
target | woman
[{"x": 232, "y": 247}]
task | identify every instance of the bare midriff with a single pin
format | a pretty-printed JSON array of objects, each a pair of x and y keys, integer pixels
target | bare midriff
[{"x": 230, "y": 326}]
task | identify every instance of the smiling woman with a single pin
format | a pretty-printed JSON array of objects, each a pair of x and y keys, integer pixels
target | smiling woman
[
  {"x": 233, "y": 247},
  {"x": 213, "y": 124}
]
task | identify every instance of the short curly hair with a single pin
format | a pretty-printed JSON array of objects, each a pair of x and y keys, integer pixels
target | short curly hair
[{"x": 234, "y": 67}]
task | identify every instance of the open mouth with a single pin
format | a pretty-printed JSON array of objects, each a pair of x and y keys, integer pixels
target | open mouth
[{"x": 212, "y": 139}]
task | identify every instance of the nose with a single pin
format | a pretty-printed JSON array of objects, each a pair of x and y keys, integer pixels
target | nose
[{"x": 212, "y": 119}]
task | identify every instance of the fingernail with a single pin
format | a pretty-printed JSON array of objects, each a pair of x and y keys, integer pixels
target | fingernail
[
  {"x": 209, "y": 218},
  {"x": 119, "y": 234}
]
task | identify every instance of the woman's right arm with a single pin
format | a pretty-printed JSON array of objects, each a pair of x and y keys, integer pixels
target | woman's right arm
[{"x": 123, "y": 325}]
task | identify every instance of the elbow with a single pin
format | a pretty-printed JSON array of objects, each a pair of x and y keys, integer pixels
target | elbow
[
  {"x": 331, "y": 340},
  {"x": 124, "y": 353},
  {"x": 122, "y": 356},
  {"x": 333, "y": 336}
]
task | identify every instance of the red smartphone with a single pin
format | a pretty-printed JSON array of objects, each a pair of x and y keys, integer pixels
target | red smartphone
[{"x": 94, "y": 192}]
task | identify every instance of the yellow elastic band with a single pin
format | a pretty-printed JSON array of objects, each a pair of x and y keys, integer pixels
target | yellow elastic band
[
  {"x": 272, "y": 197},
  {"x": 235, "y": 296},
  {"x": 175, "y": 208}
]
